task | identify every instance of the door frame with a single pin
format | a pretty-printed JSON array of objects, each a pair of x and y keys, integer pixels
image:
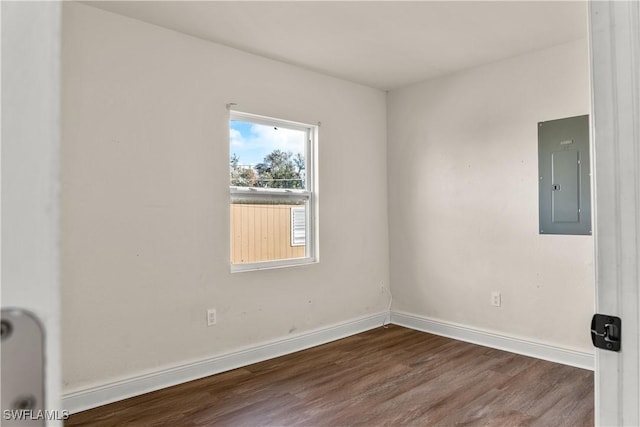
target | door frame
[
  {"x": 30, "y": 160},
  {"x": 614, "y": 33}
]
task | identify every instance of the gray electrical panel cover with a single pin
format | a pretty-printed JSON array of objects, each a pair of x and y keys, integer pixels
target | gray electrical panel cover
[{"x": 564, "y": 171}]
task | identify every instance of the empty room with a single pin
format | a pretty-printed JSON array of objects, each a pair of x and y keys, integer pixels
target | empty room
[{"x": 323, "y": 213}]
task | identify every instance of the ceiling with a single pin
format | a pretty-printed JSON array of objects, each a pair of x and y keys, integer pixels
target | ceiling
[{"x": 382, "y": 44}]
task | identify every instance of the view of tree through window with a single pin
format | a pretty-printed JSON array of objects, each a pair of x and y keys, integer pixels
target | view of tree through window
[{"x": 266, "y": 156}]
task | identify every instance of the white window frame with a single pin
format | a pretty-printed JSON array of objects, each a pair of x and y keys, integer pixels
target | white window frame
[{"x": 307, "y": 196}]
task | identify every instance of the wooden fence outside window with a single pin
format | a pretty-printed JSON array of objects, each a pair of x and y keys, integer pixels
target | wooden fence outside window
[{"x": 262, "y": 232}]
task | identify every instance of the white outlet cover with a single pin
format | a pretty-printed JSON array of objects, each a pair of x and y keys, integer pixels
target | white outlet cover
[
  {"x": 496, "y": 299},
  {"x": 211, "y": 317}
]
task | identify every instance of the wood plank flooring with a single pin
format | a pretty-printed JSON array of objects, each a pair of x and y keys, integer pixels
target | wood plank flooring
[{"x": 389, "y": 376}]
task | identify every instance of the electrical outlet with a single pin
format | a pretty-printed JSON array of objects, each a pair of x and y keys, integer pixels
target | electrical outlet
[
  {"x": 211, "y": 317},
  {"x": 496, "y": 299}
]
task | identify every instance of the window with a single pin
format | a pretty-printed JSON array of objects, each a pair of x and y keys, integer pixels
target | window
[{"x": 271, "y": 170}]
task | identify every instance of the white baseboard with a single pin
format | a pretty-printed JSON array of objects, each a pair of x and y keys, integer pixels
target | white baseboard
[
  {"x": 118, "y": 390},
  {"x": 107, "y": 393},
  {"x": 493, "y": 340}
]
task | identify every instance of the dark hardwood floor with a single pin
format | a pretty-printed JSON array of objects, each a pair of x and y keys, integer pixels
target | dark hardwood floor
[{"x": 384, "y": 377}]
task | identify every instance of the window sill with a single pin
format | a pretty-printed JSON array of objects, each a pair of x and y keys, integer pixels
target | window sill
[{"x": 270, "y": 265}]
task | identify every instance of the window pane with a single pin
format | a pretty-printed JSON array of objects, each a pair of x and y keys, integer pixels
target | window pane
[
  {"x": 261, "y": 230},
  {"x": 267, "y": 156}
]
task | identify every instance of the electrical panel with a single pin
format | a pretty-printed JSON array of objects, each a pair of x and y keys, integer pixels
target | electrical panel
[{"x": 565, "y": 176}]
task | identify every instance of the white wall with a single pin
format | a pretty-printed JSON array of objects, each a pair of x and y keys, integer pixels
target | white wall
[
  {"x": 145, "y": 245},
  {"x": 463, "y": 201}
]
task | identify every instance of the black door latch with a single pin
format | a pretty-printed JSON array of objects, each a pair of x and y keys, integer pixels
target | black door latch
[{"x": 606, "y": 331}]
